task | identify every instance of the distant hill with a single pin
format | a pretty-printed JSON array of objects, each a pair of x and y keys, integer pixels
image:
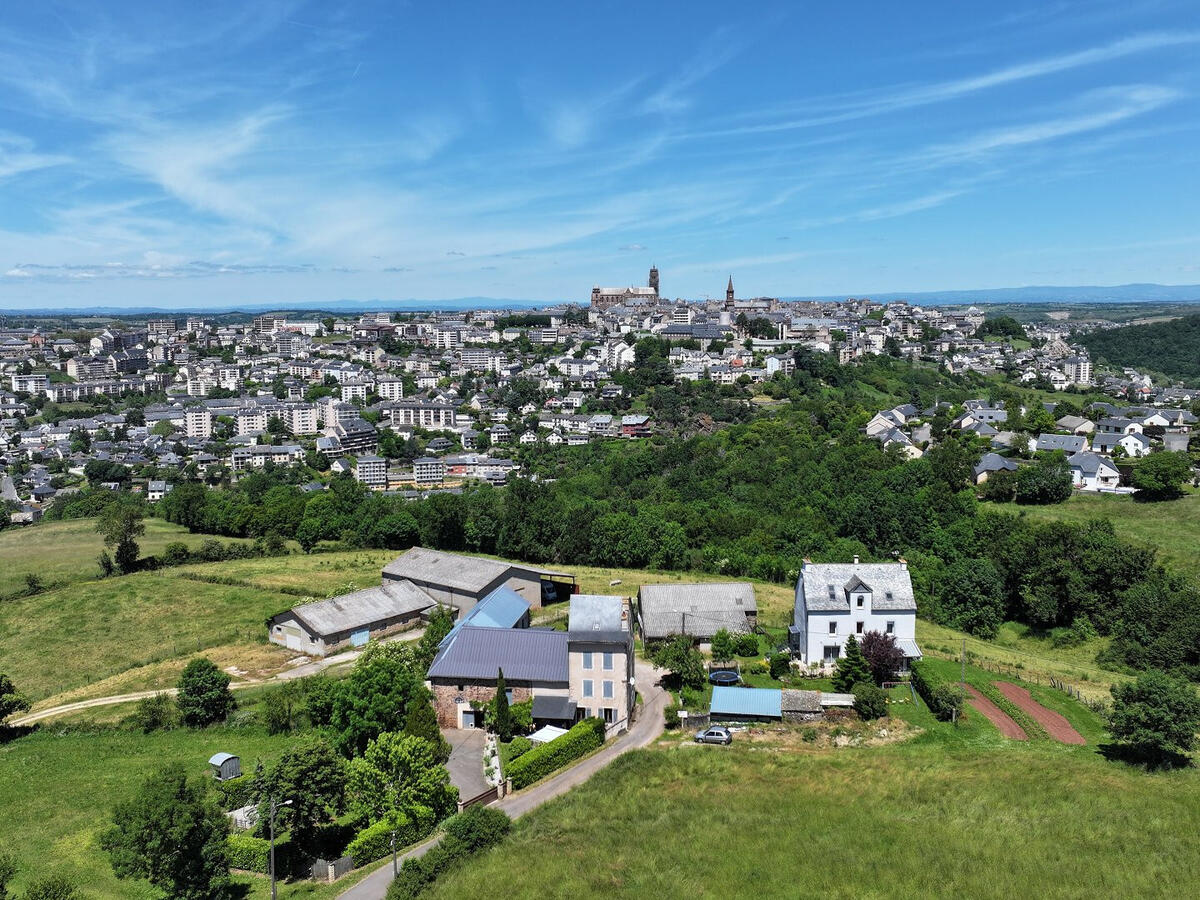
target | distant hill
[
  {"x": 1172, "y": 348},
  {"x": 1117, "y": 293}
]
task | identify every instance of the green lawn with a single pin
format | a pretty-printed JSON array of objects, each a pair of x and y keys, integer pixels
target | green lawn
[
  {"x": 66, "y": 552},
  {"x": 59, "y": 790},
  {"x": 955, "y": 812},
  {"x": 1172, "y": 527}
]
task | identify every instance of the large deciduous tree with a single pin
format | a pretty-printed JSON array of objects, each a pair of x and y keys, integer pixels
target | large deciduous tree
[
  {"x": 10, "y": 701},
  {"x": 121, "y": 524},
  {"x": 312, "y": 776},
  {"x": 172, "y": 835},
  {"x": 1157, "y": 715},
  {"x": 884, "y": 659},
  {"x": 401, "y": 774},
  {"x": 204, "y": 697},
  {"x": 375, "y": 697},
  {"x": 1161, "y": 476}
]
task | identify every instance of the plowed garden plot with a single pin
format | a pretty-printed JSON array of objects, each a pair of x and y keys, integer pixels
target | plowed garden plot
[
  {"x": 1055, "y": 724},
  {"x": 996, "y": 716}
]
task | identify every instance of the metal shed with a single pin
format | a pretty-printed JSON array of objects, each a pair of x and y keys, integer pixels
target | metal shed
[
  {"x": 225, "y": 766},
  {"x": 740, "y": 704}
]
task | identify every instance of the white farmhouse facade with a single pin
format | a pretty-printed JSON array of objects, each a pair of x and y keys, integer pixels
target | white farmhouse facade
[{"x": 836, "y": 600}]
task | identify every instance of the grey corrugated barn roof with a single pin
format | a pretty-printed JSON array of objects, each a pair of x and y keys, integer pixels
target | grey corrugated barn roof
[
  {"x": 525, "y": 654},
  {"x": 883, "y": 579},
  {"x": 700, "y": 610},
  {"x": 363, "y": 608},
  {"x": 454, "y": 570}
]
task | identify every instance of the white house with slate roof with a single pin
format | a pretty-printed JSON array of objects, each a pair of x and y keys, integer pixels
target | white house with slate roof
[{"x": 836, "y": 600}]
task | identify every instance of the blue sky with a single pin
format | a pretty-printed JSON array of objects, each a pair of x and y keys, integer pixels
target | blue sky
[{"x": 267, "y": 152}]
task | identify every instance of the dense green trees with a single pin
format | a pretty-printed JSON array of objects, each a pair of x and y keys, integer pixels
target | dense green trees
[
  {"x": 1172, "y": 348},
  {"x": 173, "y": 835},
  {"x": 399, "y": 774},
  {"x": 679, "y": 656},
  {"x": 312, "y": 777},
  {"x": 1002, "y": 326}
]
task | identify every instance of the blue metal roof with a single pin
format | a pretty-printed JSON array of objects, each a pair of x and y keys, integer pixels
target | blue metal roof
[
  {"x": 502, "y": 608},
  {"x": 741, "y": 701}
]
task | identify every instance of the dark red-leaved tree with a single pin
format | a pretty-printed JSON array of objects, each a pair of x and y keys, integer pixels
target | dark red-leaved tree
[{"x": 883, "y": 657}]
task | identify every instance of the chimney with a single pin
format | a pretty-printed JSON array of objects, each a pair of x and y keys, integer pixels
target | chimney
[
  {"x": 624, "y": 617},
  {"x": 903, "y": 562},
  {"x": 856, "y": 560},
  {"x": 807, "y": 562}
]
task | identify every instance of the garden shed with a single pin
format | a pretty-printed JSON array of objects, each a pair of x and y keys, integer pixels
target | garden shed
[{"x": 225, "y": 766}]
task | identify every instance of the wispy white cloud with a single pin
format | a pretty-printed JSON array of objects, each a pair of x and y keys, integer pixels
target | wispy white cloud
[{"x": 846, "y": 108}]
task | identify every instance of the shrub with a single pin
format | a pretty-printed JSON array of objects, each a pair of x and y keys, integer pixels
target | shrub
[
  {"x": 53, "y": 887},
  {"x": 1157, "y": 715},
  {"x": 671, "y": 717},
  {"x": 154, "y": 713},
  {"x": 746, "y": 644},
  {"x": 943, "y": 698},
  {"x": 478, "y": 827},
  {"x": 518, "y": 747},
  {"x": 723, "y": 645},
  {"x": 870, "y": 702},
  {"x": 535, "y": 765},
  {"x": 781, "y": 665},
  {"x": 375, "y": 841},
  {"x": 175, "y": 553}
]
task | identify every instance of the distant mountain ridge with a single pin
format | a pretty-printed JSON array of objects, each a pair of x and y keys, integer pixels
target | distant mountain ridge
[{"x": 1121, "y": 293}]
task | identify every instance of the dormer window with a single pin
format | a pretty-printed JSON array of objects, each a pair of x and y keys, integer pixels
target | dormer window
[{"x": 859, "y": 598}]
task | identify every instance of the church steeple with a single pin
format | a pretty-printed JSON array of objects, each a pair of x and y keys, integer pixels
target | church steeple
[
  {"x": 729, "y": 291},
  {"x": 654, "y": 279}
]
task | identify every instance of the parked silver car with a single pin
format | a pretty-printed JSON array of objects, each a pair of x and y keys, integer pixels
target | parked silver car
[{"x": 718, "y": 734}]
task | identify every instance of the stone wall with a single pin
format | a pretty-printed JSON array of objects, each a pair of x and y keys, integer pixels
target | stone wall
[{"x": 446, "y": 698}]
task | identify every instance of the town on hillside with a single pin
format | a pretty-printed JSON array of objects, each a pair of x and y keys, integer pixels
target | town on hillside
[{"x": 416, "y": 403}]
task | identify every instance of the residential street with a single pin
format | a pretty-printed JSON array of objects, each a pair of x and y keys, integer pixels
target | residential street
[{"x": 647, "y": 727}]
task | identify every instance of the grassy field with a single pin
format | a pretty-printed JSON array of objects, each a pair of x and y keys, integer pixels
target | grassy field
[
  {"x": 60, "y": 789},
  {"x": 952, "y": 812},
  {"x": 66, "y": 552},
  {"x": 1172, "y": 527},
  {"x": 89, "y": 631}
]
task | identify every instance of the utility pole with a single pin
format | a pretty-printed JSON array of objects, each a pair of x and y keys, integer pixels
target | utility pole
[
  {"x": 274, "y": 806},
  {"x": 395, "y": 871},
  {"x": 963, "y": 666}
]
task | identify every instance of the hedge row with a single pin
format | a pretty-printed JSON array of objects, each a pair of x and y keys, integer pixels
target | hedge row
[
  {"x": 583, "y": 738},
  {"x": 475, "y": 828},
  {"x": 253, "y": 854},
  {"x": 943, "y": 697},
  {"x": 375, "y": 841}
]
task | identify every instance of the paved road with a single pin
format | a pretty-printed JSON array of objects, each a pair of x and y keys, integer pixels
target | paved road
[
  {"x": 308, "y": 668},
  {"x": 466, "y": 760},
  {"x": 649, "y": 725}
]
